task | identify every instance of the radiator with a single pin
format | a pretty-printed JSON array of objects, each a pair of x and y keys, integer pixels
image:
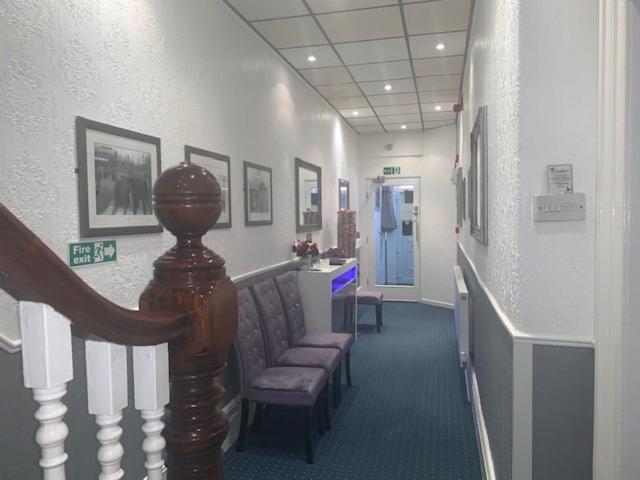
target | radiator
[{"x": 461, "y": 314}]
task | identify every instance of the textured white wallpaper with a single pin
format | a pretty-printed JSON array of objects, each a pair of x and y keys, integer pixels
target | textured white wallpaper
[
  {"x": 492, "y": 79},
  {"x": 187, "y": 72}
]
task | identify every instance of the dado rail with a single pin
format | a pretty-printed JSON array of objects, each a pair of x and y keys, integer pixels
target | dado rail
[{"x": 190, "y": 303}]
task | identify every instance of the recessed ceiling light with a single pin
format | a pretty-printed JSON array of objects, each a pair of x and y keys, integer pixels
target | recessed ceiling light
[
  {"x": 440, "y": 46},
  {"x": 438, "y": 108},
  {"x": 403, "y": 127},
  {"x": 311, "y": 58},
  {"x": 388, "y": 87},
  {"x": 355, "y": 113}
]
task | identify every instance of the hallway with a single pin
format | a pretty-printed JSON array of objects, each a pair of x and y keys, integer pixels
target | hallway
[{"x": 405, "y": 417}]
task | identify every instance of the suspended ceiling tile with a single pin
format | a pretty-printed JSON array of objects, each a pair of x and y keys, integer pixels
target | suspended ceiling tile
[
  {"x": 348, "y": 102},
  {"x": 437, "y": 124},
  {"x": 391, "y": 119},
  {"x": 438, "y": 65},
  {"x": 357, "y": 113},
  {"x": 438, "y": 116},
  {"x": 252, "y": 10},
  {"x": 438, "y": 82},
  {"x": 343, "y": 90},
  {"x": 360, "y": 25},
  {"x": 437, "y": 16},
  {"x": 397, "y": 127},
  {"x": 325, "y": 56},
  {"x": 324, "y": 6},
  {"x": 326, "y": 76},
  {"x": 436, "y": 96},
  {"x": 373, "y": 51},
  {"x": 397, "y": 109},
  {"x": 424, "y": 46},
  {"x": 357, "y": 122},
  {"x": 393, "y": 99},
  {"x": 399, "y": 86},
  {"x": 291, "y": 32},
  {"x": 433, "y": 107},
  {"x": 369, "y": 129},
  {"x": 382, "y": 71}
]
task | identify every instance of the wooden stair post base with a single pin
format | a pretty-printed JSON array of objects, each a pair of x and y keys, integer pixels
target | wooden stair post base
[{"x": 193, "y": 278}]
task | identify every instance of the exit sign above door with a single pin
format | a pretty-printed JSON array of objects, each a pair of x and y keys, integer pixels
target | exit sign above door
[{"x": 391, "y": 170}]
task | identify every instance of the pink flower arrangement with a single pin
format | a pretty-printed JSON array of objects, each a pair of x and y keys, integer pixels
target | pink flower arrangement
[{"x": 304, "y": 248}]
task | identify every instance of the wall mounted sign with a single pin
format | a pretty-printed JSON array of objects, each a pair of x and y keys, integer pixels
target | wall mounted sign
[
  {"x": 391, "y": 170},
  {"x": 91, "y": 253},
  {"x": 560, "y": 179}
]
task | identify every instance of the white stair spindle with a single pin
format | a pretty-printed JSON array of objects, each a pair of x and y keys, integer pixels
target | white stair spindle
[
  {"x": 151, "y": 388},
  {"x": 107, "y": 395},
  {"x": 47, "y": 364}
]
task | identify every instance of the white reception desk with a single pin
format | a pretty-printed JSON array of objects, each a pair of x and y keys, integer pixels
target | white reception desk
[{"x": 324, "y": 291}]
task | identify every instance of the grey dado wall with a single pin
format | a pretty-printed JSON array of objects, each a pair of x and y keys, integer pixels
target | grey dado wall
[
  {"x": 19, "y": 453},
  {"x": 492, "y": 358},
  {"x": 554, "y": 388}
]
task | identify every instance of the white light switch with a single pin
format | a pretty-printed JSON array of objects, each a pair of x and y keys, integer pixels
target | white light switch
[{"x": 559, "y": 208}]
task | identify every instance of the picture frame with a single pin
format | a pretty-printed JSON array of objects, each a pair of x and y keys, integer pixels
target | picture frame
[
  {"x": 478, "y": 179},
  {"x": 258, "y": 195},
  {"x": 117, "y": 169},
  {"x": 220, "y": 167}
]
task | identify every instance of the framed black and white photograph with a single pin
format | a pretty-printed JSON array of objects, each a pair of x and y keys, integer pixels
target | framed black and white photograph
[
  {"x": 258, "y": 196},
  {"x": 220, "y": 166},
  {"x": 116, "y": 172},
  {"x": 478, "y": 179}
]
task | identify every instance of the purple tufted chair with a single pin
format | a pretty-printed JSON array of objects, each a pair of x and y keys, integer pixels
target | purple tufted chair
[
  {"x": 264, "y": 385},
  {"x": 281, "y": 353},
  {"x": 287, "y": 284}
]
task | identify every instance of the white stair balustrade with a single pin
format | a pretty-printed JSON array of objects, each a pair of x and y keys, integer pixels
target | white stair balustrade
[
  {"x": 107, "y": 396},
  {"x": 47, "y": 364},
  {"x": 151, "y": 388}
]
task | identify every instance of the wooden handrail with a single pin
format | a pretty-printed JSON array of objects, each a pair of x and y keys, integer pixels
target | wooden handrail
[{"x": 30, "y": 271}]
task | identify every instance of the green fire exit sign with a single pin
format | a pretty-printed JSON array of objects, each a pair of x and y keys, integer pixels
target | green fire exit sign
[
  {"x": 391, "y": 170},
  {"x": 90, "y": 253}
]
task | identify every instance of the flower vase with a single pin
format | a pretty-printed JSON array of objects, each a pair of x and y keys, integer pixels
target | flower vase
[{"x": 306, "y": 263}]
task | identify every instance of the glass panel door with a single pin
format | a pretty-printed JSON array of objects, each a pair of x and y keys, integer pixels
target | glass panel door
[{"x": 395, "y": 224}]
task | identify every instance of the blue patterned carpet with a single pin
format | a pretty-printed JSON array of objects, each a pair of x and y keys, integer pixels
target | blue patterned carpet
[{"x": 405, "y": 418}]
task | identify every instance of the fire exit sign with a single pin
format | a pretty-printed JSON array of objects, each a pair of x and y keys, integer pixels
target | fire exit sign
[
  {"x": 91, "y": 253},
  {"x": 391, "y": 170}
]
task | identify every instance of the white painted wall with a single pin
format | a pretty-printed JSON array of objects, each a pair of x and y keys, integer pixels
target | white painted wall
[
  {"x": 187, "y": 72},
  {"x": 430, "y": 157},
  {"x": 630, "y": 414},
  {"x": 535, "y": 65}
]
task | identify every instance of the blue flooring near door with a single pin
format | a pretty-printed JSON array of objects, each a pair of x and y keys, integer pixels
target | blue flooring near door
[{"x": 406, "y": 416}]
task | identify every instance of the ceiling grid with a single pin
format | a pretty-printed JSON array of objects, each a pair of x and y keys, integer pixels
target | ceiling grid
[{"x": 384, "y": 65}]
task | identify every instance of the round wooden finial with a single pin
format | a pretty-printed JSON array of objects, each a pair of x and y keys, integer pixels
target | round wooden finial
[{"x": 187, "y": 200}]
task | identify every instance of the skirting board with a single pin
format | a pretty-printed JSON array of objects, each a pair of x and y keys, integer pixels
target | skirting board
[
  {"x": 436, "y": 303},
  {"x": 486, "y": 459}
]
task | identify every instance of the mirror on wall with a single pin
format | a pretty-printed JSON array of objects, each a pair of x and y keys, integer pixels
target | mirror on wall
[
  {"x": 308, "y": 196},
  {"x": 343, "y": 194}
]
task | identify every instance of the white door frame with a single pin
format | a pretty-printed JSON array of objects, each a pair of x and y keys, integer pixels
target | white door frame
[
  {"x": 611, "y": 184},
  {"x": 393, "y": 292}
]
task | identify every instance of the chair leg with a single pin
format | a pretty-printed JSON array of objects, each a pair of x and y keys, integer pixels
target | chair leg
[
  {"x": 244, "y": 419},
  {"x": 257, "y": 418},
  {"x": 327, "y": 407},
  {"x": 336, "y": 387},
  {"x": 319, "y": 413},
  {"x": 379, "y": 317},
  {"x": 308, "y": 416},
  {"x": 347, "y": 365}
]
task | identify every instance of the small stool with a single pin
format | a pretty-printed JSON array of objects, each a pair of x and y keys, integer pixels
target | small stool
[{"x": 370, "y": 297}]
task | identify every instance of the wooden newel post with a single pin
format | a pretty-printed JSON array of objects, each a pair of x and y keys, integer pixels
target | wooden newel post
[{"x": 192, "y": 277}]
